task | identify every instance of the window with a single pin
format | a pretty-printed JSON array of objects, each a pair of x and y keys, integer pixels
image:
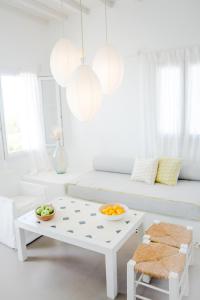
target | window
[
  {"x": 193, "y": 96},
  {"x": 23, "y": 114},
  {"x": 179, "y": 100},
  {"x": 10, "y": 87},
  {"x": 170, "y": 97}
]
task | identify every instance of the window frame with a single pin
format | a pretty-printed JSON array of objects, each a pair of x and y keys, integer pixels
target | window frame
[{"x": 59, "y": 107}]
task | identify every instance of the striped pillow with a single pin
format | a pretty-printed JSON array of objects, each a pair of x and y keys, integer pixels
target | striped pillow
[
  {"x": 168, "y": 171},
  {"x": 145, "y": 170}
]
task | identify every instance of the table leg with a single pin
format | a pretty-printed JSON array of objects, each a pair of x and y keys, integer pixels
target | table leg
[
  {"x": 111, "y": 274},
  {"x": 21, "y": 244}
]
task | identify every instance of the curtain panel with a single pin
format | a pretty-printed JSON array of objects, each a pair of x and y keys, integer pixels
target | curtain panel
[
  {"x": 22, "y": 120},
  {"x": 170, "y": 103},
  {"x": 32, "y": 123}
]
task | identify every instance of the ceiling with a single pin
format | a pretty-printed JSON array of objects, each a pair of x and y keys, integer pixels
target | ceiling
[{"x": 48, "y": 10}]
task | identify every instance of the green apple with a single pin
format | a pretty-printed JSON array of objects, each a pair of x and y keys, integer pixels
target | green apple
[
  {"x": 45, "y": 212},
  {"x": 51, "y": 210},
  {"x": 38, "y": 211}
]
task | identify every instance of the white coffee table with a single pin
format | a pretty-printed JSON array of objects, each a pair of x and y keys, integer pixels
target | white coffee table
[{"x": 78, "y": 222}]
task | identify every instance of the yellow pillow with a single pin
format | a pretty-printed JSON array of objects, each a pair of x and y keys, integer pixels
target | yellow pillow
[{"x": 168, "y": 171}]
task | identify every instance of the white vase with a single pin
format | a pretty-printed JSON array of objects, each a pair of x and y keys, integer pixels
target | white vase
[{"x": 59, "y": 159}]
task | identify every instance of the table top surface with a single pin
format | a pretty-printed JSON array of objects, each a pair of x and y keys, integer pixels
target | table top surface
[{"x": 80, "y": 220}]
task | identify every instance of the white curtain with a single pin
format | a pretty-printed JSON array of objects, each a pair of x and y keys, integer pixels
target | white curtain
[
  {"x": 170, "y": 98},
  {"x": 191, "y": 142},
  {"x": 31, "y": 119}
]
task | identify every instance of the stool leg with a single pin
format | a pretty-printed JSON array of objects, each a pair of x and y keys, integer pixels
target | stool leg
[
  {"x": 131, "y": 277},
  {"x": 191, "y": 255},
  {"x": 191, "y": 261},
  {"x": 186, "y": 283},
  {"x": 173, "y": 286}
]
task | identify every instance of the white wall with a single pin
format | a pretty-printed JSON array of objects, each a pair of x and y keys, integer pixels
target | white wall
[
  {"x": 133, "y": 26},
  {"x": 22, "y": 42}
]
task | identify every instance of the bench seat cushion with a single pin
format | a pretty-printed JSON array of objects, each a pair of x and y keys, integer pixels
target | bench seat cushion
[{"x": 182, "y": 200}]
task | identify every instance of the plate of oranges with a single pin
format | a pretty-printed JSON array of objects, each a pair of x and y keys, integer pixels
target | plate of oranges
[{"x": 113, "y": 211}]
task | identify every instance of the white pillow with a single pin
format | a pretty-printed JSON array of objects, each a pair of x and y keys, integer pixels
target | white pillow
[
  {"x": 190, "y": 170},
  {"x": 115, "y": 164},
  {"x": 145, "y": 170}
]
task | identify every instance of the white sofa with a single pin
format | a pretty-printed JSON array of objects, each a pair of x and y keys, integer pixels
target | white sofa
[
  {"x": 16, "y": 198},
  {"x": 110, "y": 182}
]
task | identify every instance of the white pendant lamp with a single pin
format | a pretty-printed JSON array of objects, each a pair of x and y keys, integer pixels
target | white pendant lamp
[
  {"x": 64, "y": 59},
  {"x": 108, "y": 65},
  {"x": 84, "y": 93},
  {"x": 84, "y": 89}
]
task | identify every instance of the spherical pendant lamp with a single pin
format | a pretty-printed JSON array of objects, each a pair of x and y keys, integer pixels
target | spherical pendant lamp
[
  {"x": 109, "y": 67},
  {"x": 64, "y": 59},
  {"x": 84, "y": 93}
]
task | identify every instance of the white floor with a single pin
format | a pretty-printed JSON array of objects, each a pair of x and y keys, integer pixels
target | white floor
[{"x": 57, "y": 271}]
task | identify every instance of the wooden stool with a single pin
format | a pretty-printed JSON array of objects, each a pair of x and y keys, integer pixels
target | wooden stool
[
  {"x": 171, "y": 234},
  {"x": 158, "y": 261}
]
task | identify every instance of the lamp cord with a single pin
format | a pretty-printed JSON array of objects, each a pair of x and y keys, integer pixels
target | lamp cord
[
  {"x": 106, "y": 21},
  {"x": 82, "y": 37},
  {"x": 62, "y": 20}
]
